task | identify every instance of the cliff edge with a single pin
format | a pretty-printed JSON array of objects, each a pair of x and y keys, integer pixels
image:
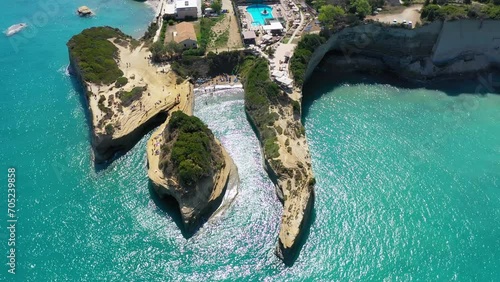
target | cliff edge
[
  {"x": 450, "y": 50},
  {"x": 275, "y": 117},
  {"x": 126, "y": 95}
]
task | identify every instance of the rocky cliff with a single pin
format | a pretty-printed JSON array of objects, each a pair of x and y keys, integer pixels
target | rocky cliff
[
  {"x": 455, "y": 49},
  {"x": 275, "y": 117},
  {"x": 126, "y": 95},
  {"x": 187, "y": 163}
]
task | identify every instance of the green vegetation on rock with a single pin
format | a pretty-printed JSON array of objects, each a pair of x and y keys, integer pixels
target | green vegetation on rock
[
  {"x": 121, "y": 81},
  {"x": 442, "y": 10},
  {"x": 302, "y": 55},
  {"x": 210, "y": 66},
  {"x": 95, "y": 56},
  {"x": 329, "y": 15},
  {"x": 362, "y": 7},
  {"x": 109, "y": 129},
  {"x": 192, "y": 150},
  {"x": 260, "y": 94},
  {"x": 127, "y": 97},
  {"x": 151, "y": 32},
  {"x": 160, "y": 51}
]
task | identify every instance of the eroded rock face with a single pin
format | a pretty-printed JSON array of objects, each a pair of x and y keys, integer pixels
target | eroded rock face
[
  {"x": 129, "y": 104},
  {"x": 193, "y": 167},
  {"x": 292, "y": 175},
  {"x": 439, "y": 50}
]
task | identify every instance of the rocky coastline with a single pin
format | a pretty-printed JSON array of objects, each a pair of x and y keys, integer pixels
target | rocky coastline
[
  {"x": 118, "y": 123},
  {"x": 212, "y": 197},
  {"x": 275, "y": 118},
  {"x": 292, "y": 176},
  {"x": 440, "y": 50},
  {"x": 137, "y": 97},
  {"x": 449, "y": 50}
]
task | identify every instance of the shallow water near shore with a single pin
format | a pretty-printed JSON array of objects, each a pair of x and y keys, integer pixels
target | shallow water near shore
[{"x": 407, "y": 186}]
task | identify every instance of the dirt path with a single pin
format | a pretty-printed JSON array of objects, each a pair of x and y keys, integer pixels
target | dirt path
[
  {"x": 229, "y": 26},
  {"x": 411, "y": 13}
]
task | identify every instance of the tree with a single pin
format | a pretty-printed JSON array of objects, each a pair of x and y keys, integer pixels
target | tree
[
  {"x": 467, "y": 2},
  {"x": 362, "y": 7},
  {"x": 173, "y": 49},
  {"x": 329, "y": 15},
  {"x": 317, "y": 4},
  {"x": 376, "y": 3},
  {"x": 216, "y": 6},
  {"x": 157, "y": 51}
]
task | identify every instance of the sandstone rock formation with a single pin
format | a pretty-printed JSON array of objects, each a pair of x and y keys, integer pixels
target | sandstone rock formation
[
  {"x": 84, "y": 11},
  {"x": 187, "y": 163},
  {"x": 454, "y": 49},
  {"x": 123, "y": 107}
]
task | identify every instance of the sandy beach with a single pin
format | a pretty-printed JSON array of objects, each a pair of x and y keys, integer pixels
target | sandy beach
[{"x": 155, "y": 5}]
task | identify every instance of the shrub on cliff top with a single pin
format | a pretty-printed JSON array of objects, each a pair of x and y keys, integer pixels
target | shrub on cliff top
[
  {"x": 127, "y": 97},
  {"x": 330, "y": 14},
  {"x": 453, "y": 12},
  {"x": 109, "y": 129},
  {"x": 95, "y": 56},
  {"x": 302, "y": 55},
  {"x": 121, "y": 81},
  {"x": 191, "y": 153},
  {"x": 260, "y": 94}
]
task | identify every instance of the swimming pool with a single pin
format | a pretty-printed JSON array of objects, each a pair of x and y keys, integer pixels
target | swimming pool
[{"x": 256, "y": 11}]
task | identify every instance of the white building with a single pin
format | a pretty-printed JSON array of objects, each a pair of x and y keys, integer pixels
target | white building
[{"x": 187, "y": 8}]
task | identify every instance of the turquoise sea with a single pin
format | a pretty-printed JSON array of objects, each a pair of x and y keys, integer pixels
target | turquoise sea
[{"x": 408, "y": 180}]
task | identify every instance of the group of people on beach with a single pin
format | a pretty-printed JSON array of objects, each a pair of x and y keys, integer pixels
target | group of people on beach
[{"x": 156, "y": 144}]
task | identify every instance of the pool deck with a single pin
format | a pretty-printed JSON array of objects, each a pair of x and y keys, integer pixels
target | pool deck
[
  {"x": 261, "y": 17},
  {"x": 247, "y": 20}
]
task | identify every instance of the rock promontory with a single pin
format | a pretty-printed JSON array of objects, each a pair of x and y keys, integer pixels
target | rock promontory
[
  {"x": 187, "y": 163},
  {"x": 125, "y": 93},
  {"x": 275, "y": 116}
]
